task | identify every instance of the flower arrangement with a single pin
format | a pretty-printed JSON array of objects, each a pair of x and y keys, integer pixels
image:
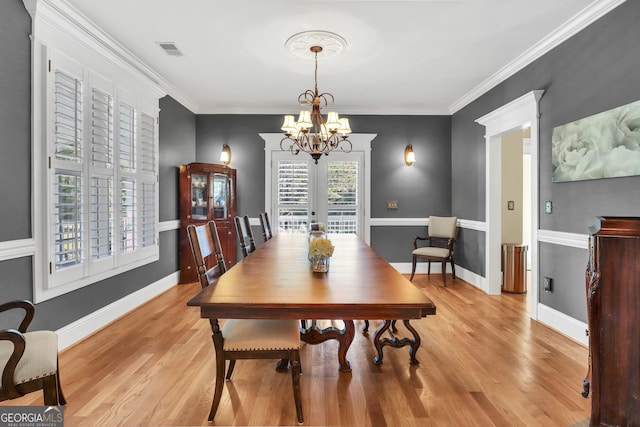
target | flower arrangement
[{"x": 321, "y": 247}]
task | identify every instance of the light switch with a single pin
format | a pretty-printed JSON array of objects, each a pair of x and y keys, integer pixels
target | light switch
[
  {"x": 548, "y": 207},
  {"x": 392, "y": 204}
]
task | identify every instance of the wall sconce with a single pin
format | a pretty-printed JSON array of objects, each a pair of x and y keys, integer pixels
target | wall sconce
[
  {"x": 225, "y": 156},
  {"x": 409, "y": 156}
]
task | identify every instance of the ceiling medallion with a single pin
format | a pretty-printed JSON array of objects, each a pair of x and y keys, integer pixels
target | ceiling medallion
[{"x": 300, "y": 44}]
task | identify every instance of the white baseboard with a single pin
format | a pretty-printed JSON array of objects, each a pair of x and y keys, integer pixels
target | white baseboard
[
  {"x": 89, "y": 324},
  {"x": 421, "y": 268},
  {"x": 566, "y": 325},
  {"x": 556, "y": 320}
]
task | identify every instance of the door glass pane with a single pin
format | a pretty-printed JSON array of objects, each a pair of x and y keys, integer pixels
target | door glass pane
[
  {"x": 219, "y": 195},
  {"x": 198, "y": 196},
  {"x": 342, "y": 197},
  {"x": 293, "y": 196}
]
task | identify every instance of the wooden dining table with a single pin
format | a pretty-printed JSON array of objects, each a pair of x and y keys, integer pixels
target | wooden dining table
[{"x": 277, "y": 282}]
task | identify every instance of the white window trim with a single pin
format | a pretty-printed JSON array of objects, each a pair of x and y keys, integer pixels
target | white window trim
[
  {"x": 56, "y": 26},
  {"x": 360, "y": 142}
]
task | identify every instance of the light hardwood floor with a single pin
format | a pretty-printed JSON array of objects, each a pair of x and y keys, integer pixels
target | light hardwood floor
[{"x": 483, "y": 363}]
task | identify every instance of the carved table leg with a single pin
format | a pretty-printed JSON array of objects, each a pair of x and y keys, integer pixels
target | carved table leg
[
  {"x": 415, "y": 344},
  {"x": 313, "y": 335},
  {"x": 380, "y": 343},
  {"x": 282, "y": 365},
  {"x": 344, "y": 343}
]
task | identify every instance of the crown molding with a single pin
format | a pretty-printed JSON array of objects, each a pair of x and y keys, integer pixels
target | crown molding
[
  {"x": 64, "y": 17},
  {"x": 587, "y": 16}
]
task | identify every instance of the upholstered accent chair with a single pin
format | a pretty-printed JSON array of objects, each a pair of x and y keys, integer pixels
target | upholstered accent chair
[
  {"x": 29, "y": 360},
  {"x": 245, "y": 236},
  {"x": 266, "y": 226},
  {"x": 242, "y": 338},
  {"x": 437, "y": 246}
]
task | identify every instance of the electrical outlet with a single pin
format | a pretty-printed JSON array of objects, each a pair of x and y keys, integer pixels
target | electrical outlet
[
  {"x": 548, "y": 284},
  {"x": 548, "y": 207}
]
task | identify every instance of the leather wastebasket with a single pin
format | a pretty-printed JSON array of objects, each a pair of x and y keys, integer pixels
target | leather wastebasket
[{"x": 514, "y": 268}]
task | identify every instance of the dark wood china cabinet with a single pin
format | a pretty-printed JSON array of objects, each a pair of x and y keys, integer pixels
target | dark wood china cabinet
[
  {"x": 613, "y": 308},
  {"x": 207, "y": 192}
]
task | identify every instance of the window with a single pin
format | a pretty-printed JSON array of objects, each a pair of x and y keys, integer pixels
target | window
[{"x": 101, "y": 149}]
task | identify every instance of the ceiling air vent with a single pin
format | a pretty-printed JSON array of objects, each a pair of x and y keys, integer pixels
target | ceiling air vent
[{"x": 170, "y": 48}]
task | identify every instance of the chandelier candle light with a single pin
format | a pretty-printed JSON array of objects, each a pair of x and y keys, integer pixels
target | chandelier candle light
[{"x": 311, "y": 133}]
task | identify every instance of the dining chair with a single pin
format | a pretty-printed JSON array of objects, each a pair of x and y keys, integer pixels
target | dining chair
[
  {"x": 438, "y": 245},
  {"x": 245, "y": 236},
  {"x": 266, "y": 226},
  {"x": 242, "y": 338},
  {"x": 29, "y": 360}
]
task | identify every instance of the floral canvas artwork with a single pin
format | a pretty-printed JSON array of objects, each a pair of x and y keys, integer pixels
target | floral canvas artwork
[{"x": 605, "y": 145}]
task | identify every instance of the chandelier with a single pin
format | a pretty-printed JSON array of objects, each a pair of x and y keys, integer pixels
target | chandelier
[{"x": 313, "y": 134}]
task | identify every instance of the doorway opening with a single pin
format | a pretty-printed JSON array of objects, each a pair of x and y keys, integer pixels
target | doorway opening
[
  {"x": 338, "y": 208},
  {"x": 516, "y": 209},
  {"x": 518, "y": 114}
]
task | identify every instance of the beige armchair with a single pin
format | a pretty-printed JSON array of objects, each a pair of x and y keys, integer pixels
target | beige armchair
[
  {"x": 438, "y": 246},
  {"x": 29, "y": 360}
]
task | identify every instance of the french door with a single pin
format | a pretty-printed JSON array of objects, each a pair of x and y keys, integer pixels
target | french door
[{"x": 330, "y": 192}]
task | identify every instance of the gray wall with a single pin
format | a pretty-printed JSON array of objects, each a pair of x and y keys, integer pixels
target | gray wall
[
  {"x": 594, "y": 71},
  {"x": 423, "y": 189},
  {"x": 15, "y": 121},
  {"x": 177, "y": 132},
  {"x": 177, "y": 144}
]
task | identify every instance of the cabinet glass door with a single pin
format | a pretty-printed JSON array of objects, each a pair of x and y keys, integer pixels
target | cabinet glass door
[
  {"x": 219, "y": 195},
  {"x": 199, "y": 199}
]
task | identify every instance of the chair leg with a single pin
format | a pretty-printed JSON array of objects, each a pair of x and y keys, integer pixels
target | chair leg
[
  {"x": 429, "y": 268},
  {"x": 295, "y": 378},
  {"x": 217, "y": 394},
  {"x": 232, "y": 364},
  {"x": 453, "y": 269},
  {"x": 444, "y": 273},
  {"x": 413, "y": 267},
  {"x": 366, "y": 324},
  {"x": 50, "y": 390},
  {"x": 61, "y": 399}
]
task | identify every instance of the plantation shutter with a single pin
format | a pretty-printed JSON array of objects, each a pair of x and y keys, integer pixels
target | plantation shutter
[
  {"x": 127, "y": 128},
  {"x": 127, "y": 215},
  {"x": 67, "y": 221},
  {"x": 342, "y": 197},
  {"x": 148, "y": 171},
  {"x": 101, "y": 187},
  {"x": 293, "y": 196}
]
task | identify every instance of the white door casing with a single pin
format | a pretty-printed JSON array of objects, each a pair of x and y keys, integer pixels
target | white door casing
[{"x": 520, "y": 113}]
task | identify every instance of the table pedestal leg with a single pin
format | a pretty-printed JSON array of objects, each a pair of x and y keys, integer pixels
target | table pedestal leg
[
  {"x": 315, "y": 335},
  {"x": 395, "y": 342}
]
